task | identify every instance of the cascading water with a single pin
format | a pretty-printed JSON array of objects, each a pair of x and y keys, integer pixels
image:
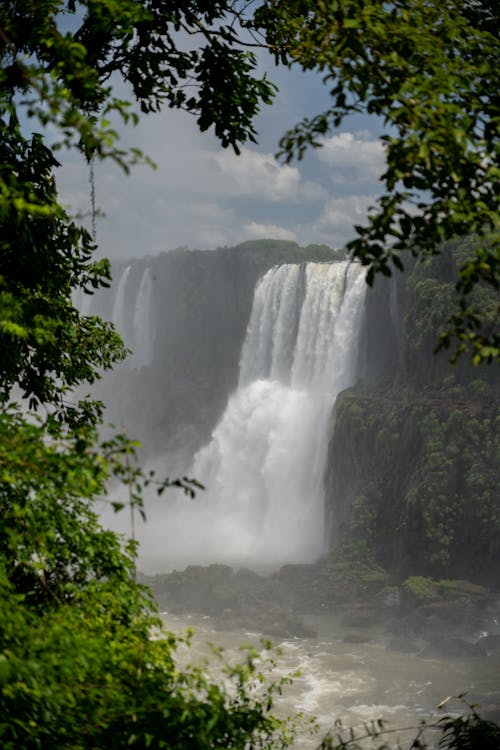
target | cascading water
[
  {"x": 264, "y": 466},
  {"x": 394, "y": 306},
  {"x": 120, "y": 307},
  {"x": 141, "y": 326},
  {"x": 130, "y": 313}
]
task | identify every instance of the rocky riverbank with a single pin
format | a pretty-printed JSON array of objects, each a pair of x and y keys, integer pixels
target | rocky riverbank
[{"x": 434, "y": 619}]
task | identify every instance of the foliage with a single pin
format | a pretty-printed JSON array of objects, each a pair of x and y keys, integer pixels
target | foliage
[
  {"x": 47, "y": 348},
  {"x": 422, "y": 589},
  {"x": 89, "y": 674},
  {"x": 465, "y": 731},
  {"x": 436, "y": 94},
  {"x": 425, "y": 465},
  {"x": 65, "y": 81},
  {"x": 84, "y": 660}
]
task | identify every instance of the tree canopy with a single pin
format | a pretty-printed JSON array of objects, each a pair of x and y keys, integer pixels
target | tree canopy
[
  {"x": 430, "y": 71},
  {"x": 84, "y": 659},
  {"x": 63, "y": 82}
]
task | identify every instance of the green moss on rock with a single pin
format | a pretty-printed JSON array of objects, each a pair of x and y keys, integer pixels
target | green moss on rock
[{"x": 422, "y": 590}]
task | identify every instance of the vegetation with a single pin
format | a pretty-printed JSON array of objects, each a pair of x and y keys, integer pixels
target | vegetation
[
  {"x": 415, "y": 446},
  {"x": 84, "y": 661},
  {"x": 436, "y": 94},
  {"x": 415, "y": 481},
  {"x": 463, "y": 732}
]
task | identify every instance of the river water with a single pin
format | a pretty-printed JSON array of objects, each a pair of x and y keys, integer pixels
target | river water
[{"x": 354, "y": 683}]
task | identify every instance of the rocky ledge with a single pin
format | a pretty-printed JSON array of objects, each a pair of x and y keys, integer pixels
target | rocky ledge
[{"x": 434, "y": 619}]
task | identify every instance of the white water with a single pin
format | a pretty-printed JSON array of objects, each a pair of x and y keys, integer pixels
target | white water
[
  {"x": 82, "y": 301},
  {"x": 120, "y": 306},
  {"x": 131, "y": 314},
  {"x": 142, "y": 324},
  {"x": 356, "y": 683},
  {"x": 264, "y": 466}
]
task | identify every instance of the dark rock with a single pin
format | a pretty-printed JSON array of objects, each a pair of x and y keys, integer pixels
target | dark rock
[
  {"x": 488, "y": 705},
  {"x": 275, "y": 624},
  {"x": 440, "y": 620}
]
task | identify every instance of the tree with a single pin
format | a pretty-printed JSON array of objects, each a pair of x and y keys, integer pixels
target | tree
[
  {"x": 430, "y": 71},
  {"x": 84, "y": 659},
  {"x": 62, "y": 79}
]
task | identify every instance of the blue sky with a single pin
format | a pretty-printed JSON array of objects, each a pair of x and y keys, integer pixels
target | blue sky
[{"x": 204, "y": 196}]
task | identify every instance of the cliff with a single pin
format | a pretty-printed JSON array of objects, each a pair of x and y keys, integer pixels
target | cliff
[{"x": 412, "y": 476}]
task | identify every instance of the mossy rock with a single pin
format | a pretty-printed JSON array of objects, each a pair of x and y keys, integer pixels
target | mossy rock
[
  {"x": 421, "y": 590},
  {"x": 456, "y": 588},
  {"x": 355, "y": 578}
]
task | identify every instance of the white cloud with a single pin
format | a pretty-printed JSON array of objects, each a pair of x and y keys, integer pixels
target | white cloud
[
  {"x": 256, "y": 173},
  {"x": 340, "y": 214},
  {"x": 354, "y": 157},
  {"x": 268, "y": 231},
  {"x": 259, "y": 174},
  {"x": 203, "y": 196}
]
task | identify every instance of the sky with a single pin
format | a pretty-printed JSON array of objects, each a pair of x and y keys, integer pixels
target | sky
[{"x": 203, "y": 196}]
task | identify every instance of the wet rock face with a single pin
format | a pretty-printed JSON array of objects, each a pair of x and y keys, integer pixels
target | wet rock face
[
  {"x": 412, "y": 472},
  {"x": 412, "y": 482}
]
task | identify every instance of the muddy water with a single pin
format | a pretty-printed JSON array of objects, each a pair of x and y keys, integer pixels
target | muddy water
[{"x": 355, "y": 683}]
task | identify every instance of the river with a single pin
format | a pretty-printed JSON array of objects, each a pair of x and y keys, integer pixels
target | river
[{"x": 354, "y": 683}]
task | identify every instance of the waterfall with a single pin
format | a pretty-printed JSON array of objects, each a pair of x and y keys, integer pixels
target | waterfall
[
  {"x": 132, "y": 315},
  {"x": 394, "y": 306},
  {"x": 142, "y": 328},
  {"x": 130, "y": 312},
  {"x": 120, "y": 307},
  {"x": 264, "y": 466}
]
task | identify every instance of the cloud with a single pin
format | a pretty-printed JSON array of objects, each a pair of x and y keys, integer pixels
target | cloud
[
  {"x": 339, "y": 215},
  {"x": 354, "y": 157},
  {"x": 254, "y": 173},
  {"x": 268, "y": 231},
  {"x": 203, "y": 196}
]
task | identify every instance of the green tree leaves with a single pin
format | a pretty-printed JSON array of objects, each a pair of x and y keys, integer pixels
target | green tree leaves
[
  {"x": 84, "y": 660},
  {"x": 437, "y": 93}
]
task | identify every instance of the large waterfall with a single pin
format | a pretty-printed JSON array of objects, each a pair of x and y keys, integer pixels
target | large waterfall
[{"x": 263, "y": 468}]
